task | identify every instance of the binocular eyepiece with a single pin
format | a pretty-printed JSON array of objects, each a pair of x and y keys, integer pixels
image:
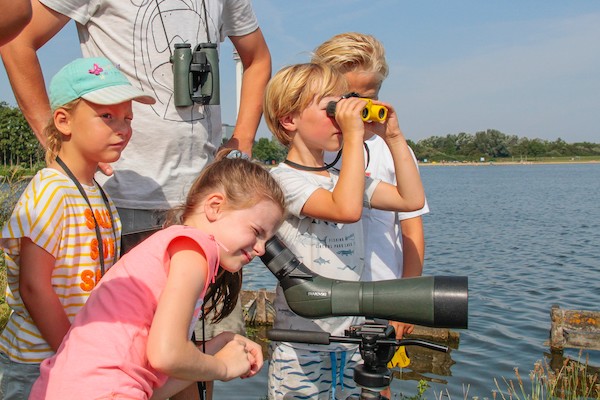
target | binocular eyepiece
[
  {"x": 371, "y": 112},
  {"x": 196, "y": 74}
]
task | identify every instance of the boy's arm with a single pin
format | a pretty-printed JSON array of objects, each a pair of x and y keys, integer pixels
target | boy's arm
[
  {"x": 256, "y": 61},
  {"x": 408, "y": 194},
  {"x": 23, "y": 66},
  {"x": 344, "y": 204},
  {"x": 413, "y": 246},
  {"x": 38, "y": 295}
]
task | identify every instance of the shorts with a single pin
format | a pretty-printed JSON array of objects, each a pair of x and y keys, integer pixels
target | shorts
[
  {"x": 307, "y": 374},
  {"x": 16, "y": 379},
  {"x": 234, "y": 322},
  {"x": 137, "y": 225}
]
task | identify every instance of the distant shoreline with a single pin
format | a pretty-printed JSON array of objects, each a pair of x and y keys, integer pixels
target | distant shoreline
[{"x": 501, "y": 163}]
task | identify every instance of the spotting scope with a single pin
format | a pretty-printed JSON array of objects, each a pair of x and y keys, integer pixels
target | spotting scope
[{"x": 435, "y": 301}]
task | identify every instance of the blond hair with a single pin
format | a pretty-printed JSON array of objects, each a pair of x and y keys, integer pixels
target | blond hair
[
  {"x": 352, "y": 51},
  {"x": 244, "y": 185},
  {"x": 54, "y": 137},
  {"x": 294, "y": 88}
]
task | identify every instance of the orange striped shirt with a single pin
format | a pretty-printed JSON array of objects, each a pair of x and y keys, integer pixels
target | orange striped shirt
[{"x": 53, "y": 214}]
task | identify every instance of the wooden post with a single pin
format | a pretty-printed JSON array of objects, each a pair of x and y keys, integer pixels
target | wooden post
[
  {"x": 574, "y": 329},
  {"x": 257, "y": 305}
]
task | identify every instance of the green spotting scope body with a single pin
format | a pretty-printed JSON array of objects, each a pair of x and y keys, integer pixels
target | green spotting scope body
[{"x": 435, "y": 301}]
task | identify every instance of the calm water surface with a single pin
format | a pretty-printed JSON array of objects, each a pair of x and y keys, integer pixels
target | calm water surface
[{"x": 527, "y": 236}]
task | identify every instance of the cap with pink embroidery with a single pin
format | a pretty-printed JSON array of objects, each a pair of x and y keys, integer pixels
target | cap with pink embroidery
[{"x": 96, "y": 80}]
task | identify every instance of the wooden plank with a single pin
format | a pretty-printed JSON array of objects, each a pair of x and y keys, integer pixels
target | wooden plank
[{"x": 574, "y": 329}]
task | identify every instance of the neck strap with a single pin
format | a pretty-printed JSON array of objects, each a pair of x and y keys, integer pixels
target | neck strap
[
  {"x": 313, "y": 169},
  {"x": 96, "y": 226},
  {"x": 367, "y": 153}
]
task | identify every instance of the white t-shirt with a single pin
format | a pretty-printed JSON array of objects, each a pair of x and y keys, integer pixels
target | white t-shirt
[
  {"x": 382, "y": 232},
  {"x": 169, "y": 145},
  {"x": 330, "y": 249}
]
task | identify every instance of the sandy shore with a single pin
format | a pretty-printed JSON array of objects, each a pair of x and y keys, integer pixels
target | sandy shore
[{"x": 501, "y": 163}]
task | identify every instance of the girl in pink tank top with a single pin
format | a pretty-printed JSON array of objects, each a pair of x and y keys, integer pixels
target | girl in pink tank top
[{"x": 131, "y": 340}]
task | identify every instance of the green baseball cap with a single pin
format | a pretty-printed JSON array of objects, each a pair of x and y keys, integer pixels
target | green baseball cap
[{"x": 96, "y": 80}]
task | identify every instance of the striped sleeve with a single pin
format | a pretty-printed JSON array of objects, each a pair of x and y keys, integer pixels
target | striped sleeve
[{"x": 39, "y": 214}]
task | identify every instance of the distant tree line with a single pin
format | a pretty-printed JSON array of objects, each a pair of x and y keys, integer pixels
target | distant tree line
[
  {"x": 492, "y": 144},
  {"x": 19, "y": 145}
]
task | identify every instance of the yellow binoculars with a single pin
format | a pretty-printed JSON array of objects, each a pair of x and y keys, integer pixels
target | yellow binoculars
[{"x": 371, "y": 112}]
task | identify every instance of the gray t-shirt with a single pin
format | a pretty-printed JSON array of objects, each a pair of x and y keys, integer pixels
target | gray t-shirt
[{"x": 169, "y": 145}]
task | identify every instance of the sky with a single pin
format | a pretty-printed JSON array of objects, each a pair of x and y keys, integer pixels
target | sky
[{"x": 523, "y": 67}]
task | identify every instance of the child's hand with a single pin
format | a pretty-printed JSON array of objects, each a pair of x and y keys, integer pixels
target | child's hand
[
  {"x": 242, "y": 358},
  {"x": 389, "y": 129},
  {"x": 402, "y": 328},
  {"x": 255, "y": 356},
  {"x": 105, "y": 168},
  {"x": 348, "y": 116}
]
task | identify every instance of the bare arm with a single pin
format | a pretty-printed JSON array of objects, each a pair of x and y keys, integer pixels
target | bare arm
[
  {"x": 413, "y": 246},
  {"x": 38, "y": 295},
  {"x": 15, "y": 15},
  {"x": 408, "y": 194},
  {"x": 344, "y": 204},
  {"x": 256, "y": 60},
  {"x": 23, "y": 66},
  {"x": 170, "y": 350}
]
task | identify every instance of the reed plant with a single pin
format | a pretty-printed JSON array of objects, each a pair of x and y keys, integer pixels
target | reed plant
[{"x": 574, "y": 380}]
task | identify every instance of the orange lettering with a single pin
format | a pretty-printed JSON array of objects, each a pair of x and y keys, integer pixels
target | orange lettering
[
  {"x": 94, "y": 251},
  {"x": 107, "y": 247},
  {"x": 102, "y": 218},
  {"x": 89, "y": 219},
  {"x": 107, "y": 219},
  {"x": 87, "y": 278}
]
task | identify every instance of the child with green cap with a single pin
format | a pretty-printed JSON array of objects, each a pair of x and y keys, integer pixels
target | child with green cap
[{"x": 64, "y": 232}]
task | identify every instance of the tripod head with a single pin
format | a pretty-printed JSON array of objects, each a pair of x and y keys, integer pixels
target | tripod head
[{"x": 377, "y": 344}]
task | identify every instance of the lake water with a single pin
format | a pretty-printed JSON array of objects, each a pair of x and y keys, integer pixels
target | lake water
[{"x": 527, "y": 237}]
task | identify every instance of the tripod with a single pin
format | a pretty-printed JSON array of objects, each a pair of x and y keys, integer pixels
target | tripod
[{"x": 377, "y": 344}]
